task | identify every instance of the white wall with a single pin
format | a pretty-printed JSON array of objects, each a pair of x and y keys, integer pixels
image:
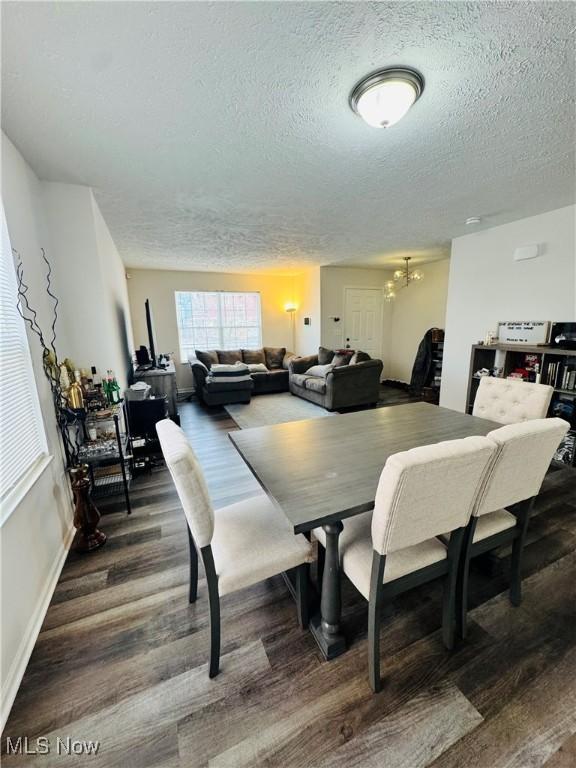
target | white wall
[
  {"x": 415, "y": 309},
  {"x": 91, "y": 277},
  {"x": 35, "y": 537},
  {"x": 160, "y": 285},
  {"x": 486, "y": 286},
  {"x": 120, "y": 342},
  {"x": 307, "y": 297}
]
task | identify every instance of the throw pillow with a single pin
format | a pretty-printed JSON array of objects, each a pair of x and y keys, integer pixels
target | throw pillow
[
  {"x": 209, "y": 357},
  {"x": 274, "y": 357},
  {"x": 229, "y": 356},
  {"x": 319, "y": 370},
  {"x": 253, "y": 356},
  {"x": 325, "y": 356},
  {"x": 342, "y": 357},
  {"x": 360, "y": 357},
  {"x": 234, "y": 370},
  {"x": 257, "y": 368}
]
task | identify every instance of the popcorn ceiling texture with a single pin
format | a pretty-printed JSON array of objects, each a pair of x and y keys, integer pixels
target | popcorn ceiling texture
[{"x": 218, "y": 136}]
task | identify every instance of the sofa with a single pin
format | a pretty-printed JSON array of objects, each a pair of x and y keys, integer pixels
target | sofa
[
  {"x": 269, "y": 374},
  {"x": 336, "y": 379}
]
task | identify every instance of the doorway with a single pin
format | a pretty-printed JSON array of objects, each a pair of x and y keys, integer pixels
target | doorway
[{"x": 363, "y": 320}]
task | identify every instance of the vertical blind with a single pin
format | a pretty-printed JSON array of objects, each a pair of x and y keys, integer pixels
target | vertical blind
[
  {"x": 22, "y": 438},
  {"x": 218, "y": 320}
]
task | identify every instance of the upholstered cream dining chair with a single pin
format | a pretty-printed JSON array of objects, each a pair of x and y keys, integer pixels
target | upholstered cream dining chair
[
  {"x": 240, "y": 544},
  {"x": 509, "y": 401},
  {"x": 500, "y": 517},
  {"x": 421, "y": 493}
]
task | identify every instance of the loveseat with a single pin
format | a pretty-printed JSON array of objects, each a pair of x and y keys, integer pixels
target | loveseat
[
  {"x": 335, "y": 380},
  {"x": 268, "y": 370}
]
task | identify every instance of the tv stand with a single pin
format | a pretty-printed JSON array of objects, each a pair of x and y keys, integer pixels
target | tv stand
[{"x": 163, "y": 384}]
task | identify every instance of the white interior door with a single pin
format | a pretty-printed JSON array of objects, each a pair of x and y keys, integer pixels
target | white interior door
[{"x": 363, "y": 320}]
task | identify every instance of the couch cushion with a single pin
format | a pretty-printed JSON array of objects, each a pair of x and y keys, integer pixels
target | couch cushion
[
  {"x": 315, "y": 384},
  {"x": 360, "y": 357},
  {"x": 274, "y": 357},
  {"x": 299, "y": 379},
  {"x": 252, "y": 356},
  {"x": 229, "y": 356},
  {"x": 320, "y": 370},
  {"x": 342, "y": 357},
  {"x": 287, "y": 357},
  {"x": 325, "y": 355},
  {"x": 208, "y": 357}
]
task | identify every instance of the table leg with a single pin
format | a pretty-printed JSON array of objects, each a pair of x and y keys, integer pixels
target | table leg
[{"x": 326, "y": 626}]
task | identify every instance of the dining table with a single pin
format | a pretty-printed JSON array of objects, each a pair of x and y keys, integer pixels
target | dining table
[{"x": 321, "y": 471}]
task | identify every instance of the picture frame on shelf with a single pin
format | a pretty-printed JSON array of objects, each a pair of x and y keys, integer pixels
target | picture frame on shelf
[{"x": 531, "y": 332}]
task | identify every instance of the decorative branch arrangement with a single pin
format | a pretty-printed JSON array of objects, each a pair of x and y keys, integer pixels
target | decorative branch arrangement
[{"x": 67, "y": 420}]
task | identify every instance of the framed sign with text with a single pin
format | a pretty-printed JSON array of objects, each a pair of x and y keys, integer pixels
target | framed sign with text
[{"x": 535, "y": 332}]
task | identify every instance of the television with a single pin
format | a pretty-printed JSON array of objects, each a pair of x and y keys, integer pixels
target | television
[{"x": 150, "y": 326}]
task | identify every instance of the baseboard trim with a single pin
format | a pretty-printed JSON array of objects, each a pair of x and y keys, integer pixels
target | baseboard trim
[{"x": 18, "y": 667}]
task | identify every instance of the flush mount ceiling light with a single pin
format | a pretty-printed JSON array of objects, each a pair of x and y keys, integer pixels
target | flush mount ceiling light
[{"x": 383, "y": 98}]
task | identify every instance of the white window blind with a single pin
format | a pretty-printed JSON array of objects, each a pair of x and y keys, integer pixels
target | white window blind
[
  {"x": 218, "y": 320},
  {"x": 22, "y": 438}
]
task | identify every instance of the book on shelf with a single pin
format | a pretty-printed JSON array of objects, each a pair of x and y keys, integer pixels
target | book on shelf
[{"x": 561, "y": 376}]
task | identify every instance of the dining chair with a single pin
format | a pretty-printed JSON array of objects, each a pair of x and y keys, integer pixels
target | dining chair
[
  {"x": 501, "y": 515},
  {"x": 240, "y": 544},
  {"x": 393, "y": 548},
  {"x": 510, "y": 401}
]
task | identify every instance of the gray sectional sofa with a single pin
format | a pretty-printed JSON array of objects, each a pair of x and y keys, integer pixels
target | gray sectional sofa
[
  {"x": 335, "y": 380},
  {"x": 274, "y": 379}
]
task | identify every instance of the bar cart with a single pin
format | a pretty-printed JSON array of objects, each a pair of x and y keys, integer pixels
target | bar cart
[{"x": 106, "y": 451}]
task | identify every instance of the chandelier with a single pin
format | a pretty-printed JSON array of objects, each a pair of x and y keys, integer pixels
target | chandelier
[{"x": 402, "y": 278}]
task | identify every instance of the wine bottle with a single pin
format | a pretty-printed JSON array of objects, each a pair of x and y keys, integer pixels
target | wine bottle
[
  {"x": 96, "y": 378},
  {"x": 75, "y": 395},
  {"x": 115, "y": 389}
]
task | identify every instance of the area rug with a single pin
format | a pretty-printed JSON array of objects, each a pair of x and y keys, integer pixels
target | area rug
[{"x": 280, "y": 408}]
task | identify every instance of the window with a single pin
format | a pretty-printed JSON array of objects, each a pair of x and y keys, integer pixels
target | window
[
  {"x": 22, "y": 438},
  {"x": 217, "y": 320}
]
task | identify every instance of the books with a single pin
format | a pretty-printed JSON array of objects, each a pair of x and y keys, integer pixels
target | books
[{"x": 561, "y": 375}]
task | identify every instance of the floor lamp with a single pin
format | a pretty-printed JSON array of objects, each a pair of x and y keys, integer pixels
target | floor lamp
[{"x": 291, "y": 309}]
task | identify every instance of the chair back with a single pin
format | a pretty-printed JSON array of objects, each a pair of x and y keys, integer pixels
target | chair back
[
  {"x": 510, "y": 402},
  {"x": 428, "y": 491},
  {"x": 189, "y": 481},
  {"x": 523, "y": 457}
]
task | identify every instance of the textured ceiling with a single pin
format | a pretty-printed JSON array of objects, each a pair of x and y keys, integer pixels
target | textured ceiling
[{"x": 218, "y": 135}]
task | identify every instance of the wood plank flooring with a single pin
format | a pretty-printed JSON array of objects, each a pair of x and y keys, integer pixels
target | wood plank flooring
[{"x": 122, "y": 656}]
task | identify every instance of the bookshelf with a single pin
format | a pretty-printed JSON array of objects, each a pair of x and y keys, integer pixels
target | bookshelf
[
  {"x": 431, "y": 392},
  {"x": 557, "y": 368}
]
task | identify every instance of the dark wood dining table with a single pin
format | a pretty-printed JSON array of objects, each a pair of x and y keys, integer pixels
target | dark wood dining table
[{"x": 321, "y": 471}]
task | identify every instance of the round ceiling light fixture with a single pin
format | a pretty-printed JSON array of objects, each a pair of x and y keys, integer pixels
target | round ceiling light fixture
[{"x": 383, "y": 98}]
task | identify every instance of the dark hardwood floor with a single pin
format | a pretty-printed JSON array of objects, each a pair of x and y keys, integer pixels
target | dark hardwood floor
[{"x": 122, "y": 656}]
